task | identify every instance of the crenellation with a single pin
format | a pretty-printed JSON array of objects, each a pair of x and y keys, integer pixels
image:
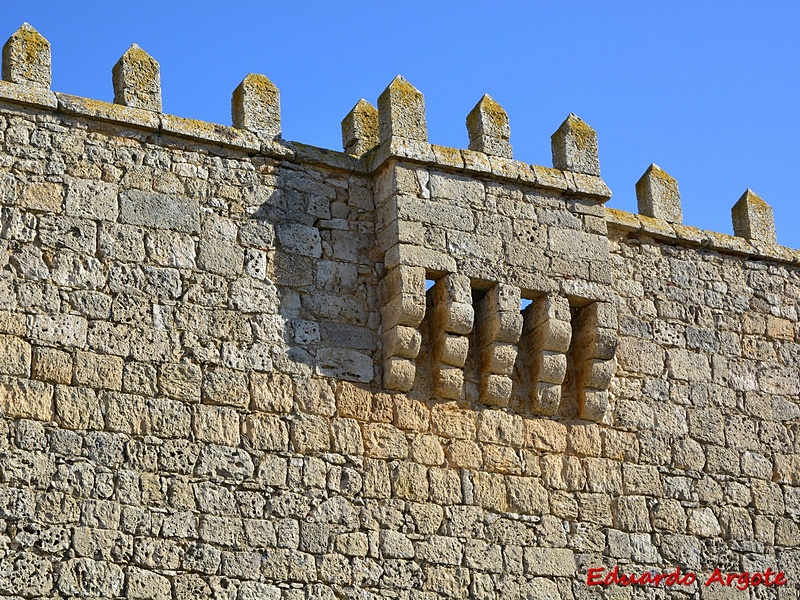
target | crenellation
[
  {"x": 236, "y": 366},
  {"x": 574, "y": 146},
  {"x": 753, "y": 219},
  {"x": 255, "y": 106},
  {"x": 658, "y": 196},
  {"x": 488, "y": 128},
  {"x": 360, "y": 129},
  {"x": 137, "y": 80},
  {"x": 401, "y": 113},
  {"x": 26, "y": 59}
]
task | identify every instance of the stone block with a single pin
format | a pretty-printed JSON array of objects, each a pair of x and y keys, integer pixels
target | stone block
[
  {"x": 631, "y": 514},
  {"x": 77, "y": 408},
  {"x": 384, "y": 441},
  {"x": 88, "y": 577},
  {"x": 145, "y": 585},
  {"x": 310, "y": 433},
  {"x": 137, "y": 80},
  {"x": 15, "y": 356},
  {"x": 43, "y": 196},
  {"x": 402, "y": 341},
  {"x": 401, "y": 112},
  {"x": 255, "y": 106},
  {"x": 410, "y": 482},
  {"x": 91, "y": 199},
  {"x": 216, "y": 425},
  {"x": 399, "y": 374},
  {"x": 126, "y": 413},
  {"x": 98, "y": 370},
  {"x": 181, "y": 381},
  {"x": 171, "y": 249},
  {"x": 411, "y": 414},
  {"x": 225, "y": 387},
  {"x": 448, "y": 382},
  {"x": 271, "y": 392},
  {"x": 346, "y": 436},
  {"x": 658, "y": 196},
  {"x": 26, "y": 399},
  {"x": 360, "y": 129},
  {"x": 642, "y": 480},
  {"x": 160, "y": 211},
  {"x": 488, "y": 128},
  {"x": 490, "y": 491},
  {"x": 753, "y": 219},
  {"x": 545, "y": 435},
  {"x": 450, "y": 349},
  {"x": 26, "y": 58},
  {"x": 550, "y": 562},
  {"x": 574, "y": 147},
  {"x": 266, "y": 432}
]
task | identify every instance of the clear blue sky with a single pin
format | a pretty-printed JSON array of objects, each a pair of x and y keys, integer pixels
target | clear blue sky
[{"x": 708, "y": 90}]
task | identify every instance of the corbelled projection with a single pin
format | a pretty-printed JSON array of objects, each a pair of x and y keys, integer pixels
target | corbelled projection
[{"x": 237, "y": 367}]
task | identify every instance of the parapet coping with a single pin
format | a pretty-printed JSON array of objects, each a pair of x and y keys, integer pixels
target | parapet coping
[
  {"x": 452, "y": 159},
  {"x": 686, "y": 235}
]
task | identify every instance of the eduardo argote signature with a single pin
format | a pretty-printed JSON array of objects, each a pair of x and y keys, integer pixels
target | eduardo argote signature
[{"x": 741, "y": 581}]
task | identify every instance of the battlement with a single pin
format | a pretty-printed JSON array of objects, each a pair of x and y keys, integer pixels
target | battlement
[{"x": 235, "y": 366}]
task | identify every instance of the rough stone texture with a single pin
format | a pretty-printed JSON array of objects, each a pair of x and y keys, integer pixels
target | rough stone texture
[
  {"x": 401, "y": 112},
  {"x": 488, "y": 128},
  {"x": 360, "y": 129},
  {"x": 658, "y": 196},
  {"x": 256, "y": 106},
  {"x": 574, "y": 146},
  {"x": 753, "y": 219},
  {"x": 137, "y": 80},
  {"x": 26, "y": 58},
  {"x": 219, "y": 366}
]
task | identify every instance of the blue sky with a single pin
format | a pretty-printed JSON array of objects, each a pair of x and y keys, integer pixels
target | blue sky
[{"x": 707, "y": 90}]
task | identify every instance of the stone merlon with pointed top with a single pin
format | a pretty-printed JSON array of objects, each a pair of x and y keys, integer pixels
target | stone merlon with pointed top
[
  {"x": 488, "y": 128},
  {"x": 256, "y": 106},
  {"x": 401, "y": 112},
  {"x": 658, "y": 196},
  {"x": 26, "y": 58},
  {"x": 360, "y": 129},
  {"x": 753, "y": 219},
  {"x": 137, "y": 80},
  {"x": 574, "y": 147}
]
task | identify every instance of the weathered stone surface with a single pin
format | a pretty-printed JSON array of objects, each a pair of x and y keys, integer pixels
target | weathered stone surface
[
  {"x": 488, "y": 129},
  {"x": 26, "y": 58},
  {"x": 658, "y": 196},
  {"x": 256, "y": 106},
  {"x": 151, "y": 209},
  {"x": 574, "y": 147},
  {"x": 137, "y": 80},
  {"x": 360, "y": 129},
  {"x": 753, "y": 219},
  {"x": 401, "y": 112}
]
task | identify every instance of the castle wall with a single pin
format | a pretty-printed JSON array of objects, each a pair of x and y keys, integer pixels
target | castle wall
[{"x": 233, "y": 367}]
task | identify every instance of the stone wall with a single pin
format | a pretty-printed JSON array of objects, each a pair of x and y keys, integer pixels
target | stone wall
[{"x": 237, "y": 367}]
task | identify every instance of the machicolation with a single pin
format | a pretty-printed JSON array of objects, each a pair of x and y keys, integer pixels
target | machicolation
[{"x": 237, "y": 367}]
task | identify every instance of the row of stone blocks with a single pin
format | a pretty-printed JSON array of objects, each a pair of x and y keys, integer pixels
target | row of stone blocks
[
  {"x": 256, "y": 106},
  {"x": 550, "y": 327},
  {"x": 400, "y": 115}
]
